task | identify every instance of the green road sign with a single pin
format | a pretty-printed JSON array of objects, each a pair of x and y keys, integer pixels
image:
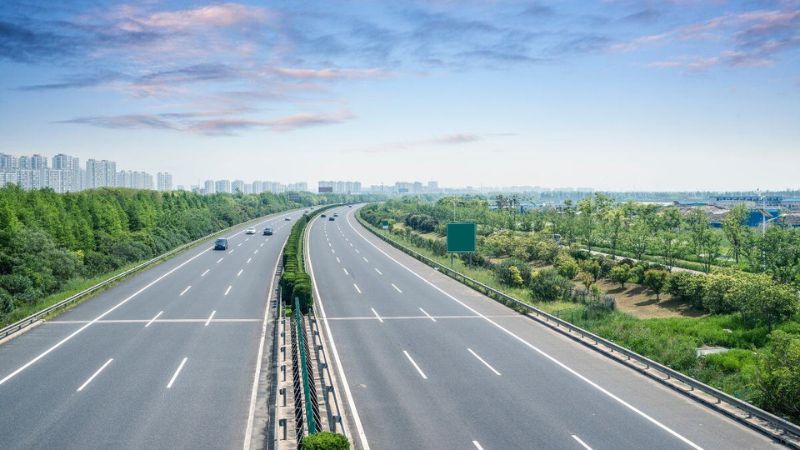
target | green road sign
[
  {"x": 461, "y": 237},
  {"x": 385, "y": 224}
]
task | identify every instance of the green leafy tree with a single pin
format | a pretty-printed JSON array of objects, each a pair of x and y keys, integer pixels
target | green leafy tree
[
  {"x": 566, "y": 265},
  {"x": 656, "y": 280},
  {"x": 777, "y": 377},
  {"x": 548, "y": 285},
  {"x": 736, "y": 230},
  {"x": 620, "y": 274}
]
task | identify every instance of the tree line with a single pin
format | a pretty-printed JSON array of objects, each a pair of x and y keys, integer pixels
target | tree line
[{"x": 49, "y": 240}]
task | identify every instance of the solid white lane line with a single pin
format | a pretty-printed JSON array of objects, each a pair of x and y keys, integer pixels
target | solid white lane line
[
  {"x": 379, "y": 272},
  {"x": 345, "y": 271},
  {"x": 357, "y": 251},
  {"x": 397, "y": 288},
  {"x": 477, "y": 445},
  {"x": 185, "y": 291},
  {"x": 154, "y": 318},
  {"x": 426, "y": 313},
  {"x": 581, "y": 442},
  {"x": 86, "y": 383},
  {"x": 175, "y": 375},
  {"x": 248, "y": 433},
  {"x": 535, "y": 348},
  {"x": 220, "y": 260},
  {"x": 356, "y": 286},
  {"x": 204, "y": 273},
  {"x": 228, "y": 290},
  {"x": 338, "y": 260},
  {"x": 484, "y": 362},
  {"x": 240, "y": 272},
  {"x": 414, "y": 363},
  {"x": 209, "y": 318},
  {"x": 248, "y": 260},
  {"x": 339, "y": 368},
  {"x": 365, "y": 260},
  {"x": 376, "y": 314}
]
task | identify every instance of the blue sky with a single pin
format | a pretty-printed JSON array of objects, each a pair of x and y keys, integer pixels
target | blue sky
[{"x": 612, "y": 94}]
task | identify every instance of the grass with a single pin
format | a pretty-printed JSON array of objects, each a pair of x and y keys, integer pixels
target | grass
[{"x": 670, "y": 341}]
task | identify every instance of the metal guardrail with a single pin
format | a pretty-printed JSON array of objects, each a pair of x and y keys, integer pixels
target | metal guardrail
[
  {"x": 777, "y": 428},
  {"x": 35, "y": 317}
]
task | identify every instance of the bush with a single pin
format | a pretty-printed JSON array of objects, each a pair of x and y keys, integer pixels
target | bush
[
  {"x": 592, "y": 267},
  {"x": 325, "y": 440},
  {"x": 549, "y": 285},
  {"x": 513, "y": 272},
  {"x": 655, "y": 280},
  {"x": 566, "y": 265},
  {"x": 638, "y": 271},
  {"x": 778, "y": 380},
  {"x": 715, "y": 296},
  {"x": 620, "y": 274},
  {"x": 687, "y": 287}
]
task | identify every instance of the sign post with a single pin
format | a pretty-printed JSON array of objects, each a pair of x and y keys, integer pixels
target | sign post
[{"x": 461, "y": 239}]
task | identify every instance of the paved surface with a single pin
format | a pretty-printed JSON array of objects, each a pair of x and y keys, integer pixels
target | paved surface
[
  {"x": 433, "y": 364},
  {"x": 165, "y": 359}
]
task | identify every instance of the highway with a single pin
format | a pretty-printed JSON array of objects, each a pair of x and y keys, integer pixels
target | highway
[
  {"x": 430, "y": 363},
  {"x": 165, "y": 359}
]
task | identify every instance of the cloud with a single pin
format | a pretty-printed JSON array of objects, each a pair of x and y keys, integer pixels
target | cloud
[
  {"x": 455, "y": 139},
  {"x": 330, "y": 73},
  {"x": 22, "y": 43},
  {"x": 214, "y": 16},
  {"x": 222, "y": 122}
]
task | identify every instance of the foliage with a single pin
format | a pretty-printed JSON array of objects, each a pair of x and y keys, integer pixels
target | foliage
[
  {"x": 566, "y": 265},
  {"x": 655, "y": 280},
  {"x": 687, "y": 287},
  {"x": 620, "y": 274},
  {"x": 325, "y": 440},
  {"x": 513, "y": 272},
  {"x": 49, "y": 241},
  {"x": 778, "y": 380},
  {"x": 549, "y": 285}
]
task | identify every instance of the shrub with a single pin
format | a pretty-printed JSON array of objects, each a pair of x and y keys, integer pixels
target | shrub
[
  {"x": 566, "y": 265},
  {"x": 687, "y": 287},
  {"x": 513, "y": 272},
  {"x": 655, "y": 280},
  {"x": 325, "y": 440},
  {"x": 777, "y": 377},
  {"x": 592, "y": 267},
  {"x": 549, "y": 285},
  {"x": 586, "y": 279},
  {"x": 620, "y": 274},
  {"x": 715, "y": 295},
  {"x": 638, "y": 271}
]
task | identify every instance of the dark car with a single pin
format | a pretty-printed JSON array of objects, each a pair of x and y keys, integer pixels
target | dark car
[
  {"x": 331, "y": 218},
  {"x": 267, "y": 232},
  {"x": 221, "y": 244},
  {"x": 287, "y": 219},
  {"x": 323, "y": 215}
]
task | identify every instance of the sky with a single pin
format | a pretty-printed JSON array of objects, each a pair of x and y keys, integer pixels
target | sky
[{"x": 609, "y": 94}]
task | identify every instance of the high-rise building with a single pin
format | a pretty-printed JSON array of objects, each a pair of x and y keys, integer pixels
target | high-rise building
[
  {"x": 237, "y": 187},
  {"x": 208, "y": 187},
  {"x": 70, "y": 179},
  {"x": 100, "y": 173},
  {"x": 8, "y": 163},
  {"x": 164, "y": 181},
  {"x": 258, "y": 187},
  {"x": 223, "y": 187}
]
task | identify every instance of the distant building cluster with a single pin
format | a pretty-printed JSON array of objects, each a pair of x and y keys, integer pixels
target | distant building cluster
[
  {"x": 64, "y": 174},
  {"x": 239, "y": 186},
  {"x": 406, "y": 187},
  {"x": 339, "y": 187}
]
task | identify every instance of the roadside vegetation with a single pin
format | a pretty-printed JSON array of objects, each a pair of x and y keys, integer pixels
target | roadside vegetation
[
  {"x": 54, "y": 245},
  {"x": 749, "y": 309}
]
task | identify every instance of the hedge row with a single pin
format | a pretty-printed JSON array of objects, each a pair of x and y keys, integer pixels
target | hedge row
[{"x": 295, "y": 282}]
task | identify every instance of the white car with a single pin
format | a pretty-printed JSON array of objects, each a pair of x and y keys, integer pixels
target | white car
[{"x": 250, "y": 230}]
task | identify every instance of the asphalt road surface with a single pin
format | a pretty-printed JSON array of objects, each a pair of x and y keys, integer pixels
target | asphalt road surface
[
  {"x": 433, "y": 364},
  {"x": 165, "y": 359}
]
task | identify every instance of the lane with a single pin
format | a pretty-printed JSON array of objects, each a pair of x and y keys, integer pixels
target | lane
[
  {"x": 486, "y": 371},
  {"x": 183, "y": 358}
]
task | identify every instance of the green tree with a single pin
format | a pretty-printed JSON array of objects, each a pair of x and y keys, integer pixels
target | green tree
[
  {"x": 777, "y": 377},
  {"x": 655, "y": 280},
  {"x": 736, "y": 230},
  {"x": 620, "y": 274}
]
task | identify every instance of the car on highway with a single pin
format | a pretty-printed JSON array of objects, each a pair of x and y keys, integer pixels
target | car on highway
[
  {"x": 267, "y": 231},
  {"x": 323, "y": 215},
  {"x": 287, "y": 219},
  {"x": 335, "y": 214},
  {"x": 250, "y": 230},
  {"x": 331, "y": 218},
  {"x": 221, "y": 244}
]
